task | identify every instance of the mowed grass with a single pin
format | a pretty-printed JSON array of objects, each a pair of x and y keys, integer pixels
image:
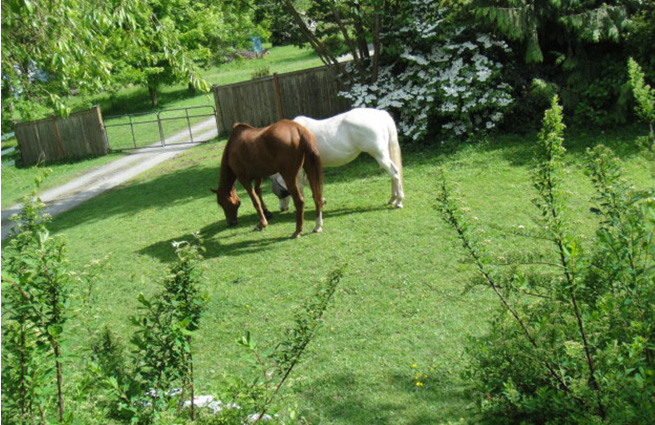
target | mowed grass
[
  {"x": 19, "y": 181},
  {"x": 135, "y": 99},
  {"x": 401, "y": 307}
]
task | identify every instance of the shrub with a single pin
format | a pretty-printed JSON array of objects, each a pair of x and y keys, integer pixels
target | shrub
[
  {"x": 260, "y": 72},
  {"x": 645, "y": 102},
  {"x": 443, "y": 78},
  {"x": 573, "y": 342},
  {"x": 36, "y": 284}
]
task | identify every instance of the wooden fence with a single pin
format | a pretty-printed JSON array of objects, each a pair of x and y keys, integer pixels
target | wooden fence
[
  {"x": 310, "y": 92},
  {"x": 80, "y": 135}
]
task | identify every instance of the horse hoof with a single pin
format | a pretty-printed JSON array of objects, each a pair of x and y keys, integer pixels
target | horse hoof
[
  {"x": 268, "y": 214},
  {"x": 295, "y": 235},
  {"x": 398, "y": 205},
  {"x": 257, "y": 229},
  {"x": 318, "y": 230}
]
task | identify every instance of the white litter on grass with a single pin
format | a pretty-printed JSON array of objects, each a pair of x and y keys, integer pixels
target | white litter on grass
[
  {"x": 206, "y": 401},
  {"x": 209, "y": 402}
]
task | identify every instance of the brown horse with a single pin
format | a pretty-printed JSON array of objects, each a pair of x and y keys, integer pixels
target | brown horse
[{"x": 252, "y": 154}]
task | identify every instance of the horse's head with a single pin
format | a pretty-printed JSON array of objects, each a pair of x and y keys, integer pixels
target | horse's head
[{"x": 230, "y": 205}]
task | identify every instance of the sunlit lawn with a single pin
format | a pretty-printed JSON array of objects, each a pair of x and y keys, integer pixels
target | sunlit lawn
[{"x": 401, "y": 307}]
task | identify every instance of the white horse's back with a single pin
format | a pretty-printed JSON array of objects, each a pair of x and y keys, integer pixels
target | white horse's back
[{"x": 342, "y": 138}]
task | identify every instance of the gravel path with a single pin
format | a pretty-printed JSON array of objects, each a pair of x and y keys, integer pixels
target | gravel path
[{"x": 108, "y": 176}]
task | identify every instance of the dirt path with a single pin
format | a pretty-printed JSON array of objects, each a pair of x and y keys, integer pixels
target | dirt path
[{"x": 113, "y": 174}]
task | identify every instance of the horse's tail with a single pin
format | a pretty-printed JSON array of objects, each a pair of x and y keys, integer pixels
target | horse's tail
[
  {"x": 312, "y": 165},
  {"x": 394, "y": 147}
]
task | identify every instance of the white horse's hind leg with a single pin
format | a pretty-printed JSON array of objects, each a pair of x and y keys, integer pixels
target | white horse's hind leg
[
  {"x": 319, "y": 222},
  {"x": 285, "y": 203},
  {"x": 397, "y": 188},
  {"x": 397, "y": 193}
]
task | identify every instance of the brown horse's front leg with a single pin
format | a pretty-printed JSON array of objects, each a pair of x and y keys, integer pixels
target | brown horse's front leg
[
  {"x": 258, "y": 191},
  {"x": 253, "y": 197}
]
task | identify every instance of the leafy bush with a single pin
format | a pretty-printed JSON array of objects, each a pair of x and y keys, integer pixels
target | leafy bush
[
  {"x": 157, "y": 381},
  {"x": 574, "y": 340},
  {"x": 645, "y": 99},
  {"x": 36, "y": 285},
  {"x": 260, "y": 72},
  {"x": 438, "y": 76}
]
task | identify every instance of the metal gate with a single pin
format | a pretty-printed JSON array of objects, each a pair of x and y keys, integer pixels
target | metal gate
[{"x": 160, "y": 129}]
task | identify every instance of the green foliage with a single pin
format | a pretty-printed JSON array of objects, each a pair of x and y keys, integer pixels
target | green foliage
[
  {"x": 573, "y": 340},
  {"x": 55, "y": 50},
  {"x": 645, "y": 99},
  {"x": 274, "y": 367},
  {"x": 36, "y": 284},
  {"x": 531, "y": 21},
  {"x": 578, "y": 46},
  {"x": 162, "y": 356},
  {"x": 261, "y": 72}
]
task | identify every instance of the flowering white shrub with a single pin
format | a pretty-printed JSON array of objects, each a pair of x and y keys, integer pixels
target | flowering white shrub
[{"x": 441, "y": 78}]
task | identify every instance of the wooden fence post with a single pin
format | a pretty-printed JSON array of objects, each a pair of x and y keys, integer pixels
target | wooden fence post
[
  {"x": 105, "y": 146},
  {"x": 278, "y": 96},
  {"x": 220, "y": 121}
]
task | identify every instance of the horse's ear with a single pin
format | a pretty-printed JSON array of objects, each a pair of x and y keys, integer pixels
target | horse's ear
[{"x": 214, "y": 190}]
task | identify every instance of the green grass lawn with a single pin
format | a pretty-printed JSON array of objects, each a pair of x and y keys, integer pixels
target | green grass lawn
[
  {"x": 19, "y": 181},
  {"x": 136, "y": 99},
  {"x": 401, "y": 307}
]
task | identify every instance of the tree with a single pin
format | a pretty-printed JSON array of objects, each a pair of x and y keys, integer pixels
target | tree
[
  {"x": 541, "y": 23},
  {"x": 51, "y": 49},
  {"x": 334, "y": 27},
  {"x": 578, "y": 46},
  {"x": 179, "y": 36}
]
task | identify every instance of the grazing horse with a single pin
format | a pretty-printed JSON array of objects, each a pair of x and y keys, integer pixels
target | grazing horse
[
  {"x": 255, "y": 153},
  {"x": 342, "y": 138}
]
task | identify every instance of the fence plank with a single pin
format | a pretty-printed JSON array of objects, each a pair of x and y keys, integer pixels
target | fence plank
[
  {"x": 78, "y": 136},
  {"x": 311, "y": 92}
]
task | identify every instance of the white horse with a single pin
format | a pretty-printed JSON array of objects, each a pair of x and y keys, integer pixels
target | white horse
[{"x": 342, "y": 138}]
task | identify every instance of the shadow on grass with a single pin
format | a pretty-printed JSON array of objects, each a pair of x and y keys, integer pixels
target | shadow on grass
[
  {"x": 219, "y": 246},
  {"x": 164, "y": 191},
  {"x": 348, "y": 404},
  {"x": 214, "y": 246},
  {"x": 184, "y": 185},
  {"x": 519, "y": 149},
  {"x": 192, "y": 181}
]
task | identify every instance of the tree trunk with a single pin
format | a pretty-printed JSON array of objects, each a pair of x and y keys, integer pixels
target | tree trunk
[
  {"x": 360, "y": 31},
  {"x": 153, "y": 96},
  {"x": 60, "y": 380},
  {"x": 376, "y": 49},
  {"x": 323, "y": 53}
]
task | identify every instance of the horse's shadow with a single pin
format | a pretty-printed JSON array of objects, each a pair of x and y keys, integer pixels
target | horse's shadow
[{"x": 215, "y": 245}]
